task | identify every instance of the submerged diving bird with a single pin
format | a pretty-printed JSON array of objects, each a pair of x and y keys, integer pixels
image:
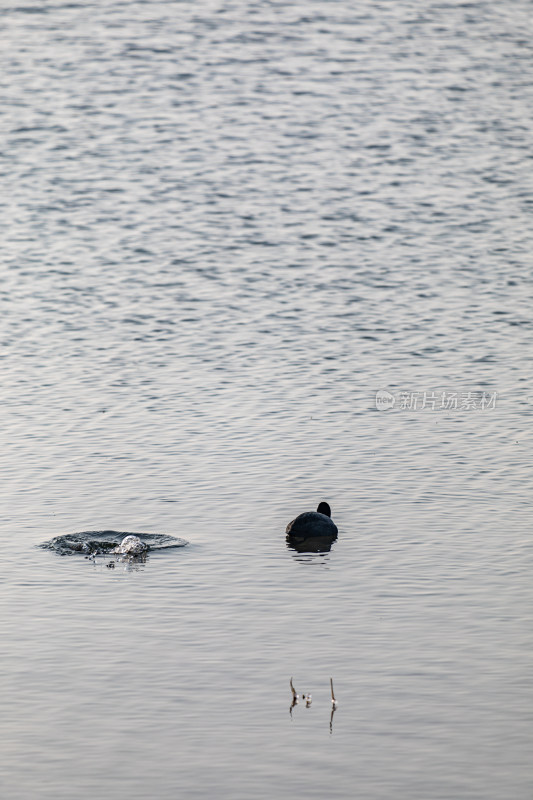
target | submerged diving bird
[{"x": 313, "y": 523}]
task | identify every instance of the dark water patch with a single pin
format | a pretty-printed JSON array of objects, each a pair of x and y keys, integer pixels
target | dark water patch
[
  {"x": 27, "y": 10},
  {"x": 97, "y": 542}
]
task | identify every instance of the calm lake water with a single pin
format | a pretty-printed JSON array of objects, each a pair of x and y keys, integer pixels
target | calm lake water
[{"x": 226, "y": 226}]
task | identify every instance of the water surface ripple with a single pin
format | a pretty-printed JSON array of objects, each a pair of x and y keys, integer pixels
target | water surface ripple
[{"x": 226, "y": 226}]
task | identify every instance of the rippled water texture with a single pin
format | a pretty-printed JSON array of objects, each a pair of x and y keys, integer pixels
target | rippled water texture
[{"x": 226, "y": 226}]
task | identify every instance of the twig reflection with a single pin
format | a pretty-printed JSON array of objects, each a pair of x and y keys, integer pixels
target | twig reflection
[
  {"x": 295, "y": 698},
  {"x": 333, "y": 709}
]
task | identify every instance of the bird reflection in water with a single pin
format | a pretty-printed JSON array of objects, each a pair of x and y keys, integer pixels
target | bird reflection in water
[{"x": 310, "y": 544}]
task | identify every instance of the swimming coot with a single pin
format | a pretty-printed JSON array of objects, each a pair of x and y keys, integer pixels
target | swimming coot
[{"x": 313, "y": 523}]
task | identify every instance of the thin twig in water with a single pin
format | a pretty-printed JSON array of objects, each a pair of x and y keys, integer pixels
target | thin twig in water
[
  {"x": 293, "y": 690},
  {"x": 332, "y": 693}
]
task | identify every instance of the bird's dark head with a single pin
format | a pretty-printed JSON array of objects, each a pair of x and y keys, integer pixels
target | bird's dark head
[{"x": 323, "y": 508}]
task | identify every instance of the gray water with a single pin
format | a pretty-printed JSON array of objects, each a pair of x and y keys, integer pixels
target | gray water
[{"x": 226, "y": 226}]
